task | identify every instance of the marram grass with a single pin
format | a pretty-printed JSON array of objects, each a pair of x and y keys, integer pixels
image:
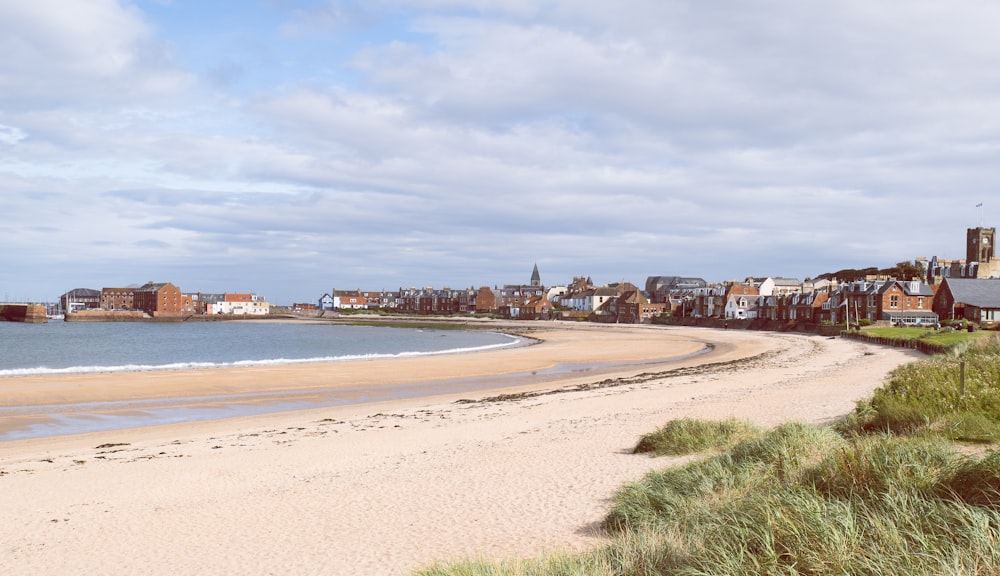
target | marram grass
[
  {"x": 931, "y": 396},
  {"x": 887, "y": 492},
  {"x": 796, "y": 500},
  {"x": 689, "y": 435}
]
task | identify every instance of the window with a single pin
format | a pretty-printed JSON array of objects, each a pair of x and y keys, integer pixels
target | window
[{"x": 894, "y": 301}]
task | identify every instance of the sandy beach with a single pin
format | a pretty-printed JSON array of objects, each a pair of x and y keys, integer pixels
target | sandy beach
[{"x": 387, "y": 487}]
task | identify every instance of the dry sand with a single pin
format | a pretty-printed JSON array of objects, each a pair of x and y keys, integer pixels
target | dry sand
[{"x": 386, "y": 488}]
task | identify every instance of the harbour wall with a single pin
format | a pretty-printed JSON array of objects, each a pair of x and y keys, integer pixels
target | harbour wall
[
  {"x": 107, "y": 316},
  {"x": 98, "y": 315},
  {"x": 29, "y": 313}
]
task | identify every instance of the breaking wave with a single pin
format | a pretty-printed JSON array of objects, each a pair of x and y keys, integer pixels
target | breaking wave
[{"x": 44, "y": 371}]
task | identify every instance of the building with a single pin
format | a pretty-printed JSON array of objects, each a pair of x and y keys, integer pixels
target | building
[
  {"x": 893, "y": 301},
  {"x": 980, "y": 259},
  {"x": 774, "y": 285},
  {"x": 741, "y": 302},
  {"x": 80, "y": 299},
  {"x": 162, "y": 299},
  {"x": 117, "y": 298},
  {"x": 430, "y": 301},
  {"x": 663, "y": 288},
  {"x": 969, "y": 299},
  {"x": 205, "y": 301},
  {"x": 240, "y": 304},
  {"x": 634, "y": 307},
  {"x": 486, "y": 300}
]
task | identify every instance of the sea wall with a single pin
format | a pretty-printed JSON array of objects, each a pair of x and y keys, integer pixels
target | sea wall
[
  {"x": 107, "y": 316},
  {"x": 30, "y": 313},
  {"x": 756, "y": 324}
]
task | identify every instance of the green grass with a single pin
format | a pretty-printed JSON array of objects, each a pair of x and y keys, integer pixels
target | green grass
[
  {"x": 888, "y": 491},
  {"x": 944, "y": 337},
  {"x": 797, "y": 499},
  {"x": 931, "y": 397},
  {"x": 689, "y": 435}
]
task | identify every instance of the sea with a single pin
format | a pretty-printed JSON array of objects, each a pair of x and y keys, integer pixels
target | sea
[
  {"x": 79, "y": 347},
  {"x": 108, "y": 347}
]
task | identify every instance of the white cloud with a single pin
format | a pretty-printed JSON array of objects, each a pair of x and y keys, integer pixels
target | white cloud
[
  {"x": 68, "y": 53},
  {"x": 11, "y": 134},
  {"x": 466, "y": 141}
]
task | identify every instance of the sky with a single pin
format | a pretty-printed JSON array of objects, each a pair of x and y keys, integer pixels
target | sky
[{"x": 290, "y": 147}]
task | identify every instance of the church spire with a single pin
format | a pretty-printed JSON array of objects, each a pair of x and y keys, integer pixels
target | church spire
[{"x": 536, "y": 280}]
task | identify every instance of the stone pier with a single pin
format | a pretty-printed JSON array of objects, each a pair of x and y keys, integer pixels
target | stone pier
[{"x": 30, "y": 313}]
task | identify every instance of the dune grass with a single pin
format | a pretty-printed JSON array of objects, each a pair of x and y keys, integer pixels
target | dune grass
[
  {"x": 931, "y": 397},
  {"x": 688, "y": 435},
  {"x": 944, "y": 337},
  {"x": 888, "y": 491}
]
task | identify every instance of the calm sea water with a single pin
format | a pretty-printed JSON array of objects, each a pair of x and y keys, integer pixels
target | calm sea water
[{"x": 74, "y": 347}]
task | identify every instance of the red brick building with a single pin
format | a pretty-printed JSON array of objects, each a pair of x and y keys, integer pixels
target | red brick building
[{"x": 164, "y": 299}]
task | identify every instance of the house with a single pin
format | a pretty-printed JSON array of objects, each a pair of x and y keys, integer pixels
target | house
[
  {"x": 162, "y": 299},
  {"x": 807, "y": 306},
  {"x": 239, "y": 304},
  {"x": 710, "y": 302},
  {"x": 440, "y": 302},
  {"x": 741, "y": 302},
  {"x": 529, "y": 308},
  {"x": 386, "y": 300},
  {"x": 601, "y": 297},
  {"x": 325, "y": 303},
  {"x": 634, "y": 307},
  {"x": 343, "y": 299},
  {"x": 579, "y": 300},
  {"x": 660, "y": 288},
  {"x": 203, "y": 301},
  {"x": 776, "y": 285},
  {"x": 351, "y": 300},
  {"x": 970, "y": 299},
  {"x": 891, "y": 301},
  {"x": 907, "y": 302},
  {"x": 486, "y": 300}
]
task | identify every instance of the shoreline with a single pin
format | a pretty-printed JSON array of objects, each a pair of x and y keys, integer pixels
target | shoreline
[
  {"x": 389, "y": 487},
  {"x": 37, "y": 406}
]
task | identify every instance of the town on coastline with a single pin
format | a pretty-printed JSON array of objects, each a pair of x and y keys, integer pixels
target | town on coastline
[{"x": 924, "y": 293}]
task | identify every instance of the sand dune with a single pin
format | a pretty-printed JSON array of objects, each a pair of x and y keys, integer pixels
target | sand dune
[{"x": 385, "y": 488}]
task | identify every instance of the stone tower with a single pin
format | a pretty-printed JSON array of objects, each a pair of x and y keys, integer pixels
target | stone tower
[
  {"x": 979, "y": 245},
  {"x": 536, "y": 280}
]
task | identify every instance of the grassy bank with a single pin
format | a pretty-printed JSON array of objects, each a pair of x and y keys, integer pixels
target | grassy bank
[
  {"x": 908, "y": 484},
  {"x": 948, "y": 336},
  {"x": 953, "y": 395}
]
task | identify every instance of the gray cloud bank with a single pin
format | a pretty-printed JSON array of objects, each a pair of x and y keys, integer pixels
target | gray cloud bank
[{"x": 458, "y": 143}]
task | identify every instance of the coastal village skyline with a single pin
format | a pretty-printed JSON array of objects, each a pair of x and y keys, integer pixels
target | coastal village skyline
[{"x": 907, "y": 294}]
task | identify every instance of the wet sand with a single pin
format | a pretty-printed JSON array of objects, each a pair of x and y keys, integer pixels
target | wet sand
[{"x": 387, "y": 487}]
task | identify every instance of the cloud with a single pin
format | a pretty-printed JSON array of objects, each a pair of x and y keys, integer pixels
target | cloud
[
  {"x": 431, "y": 142},
  {"x": 79, "y": 52},
  {"x": 11, "y": 134}
]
